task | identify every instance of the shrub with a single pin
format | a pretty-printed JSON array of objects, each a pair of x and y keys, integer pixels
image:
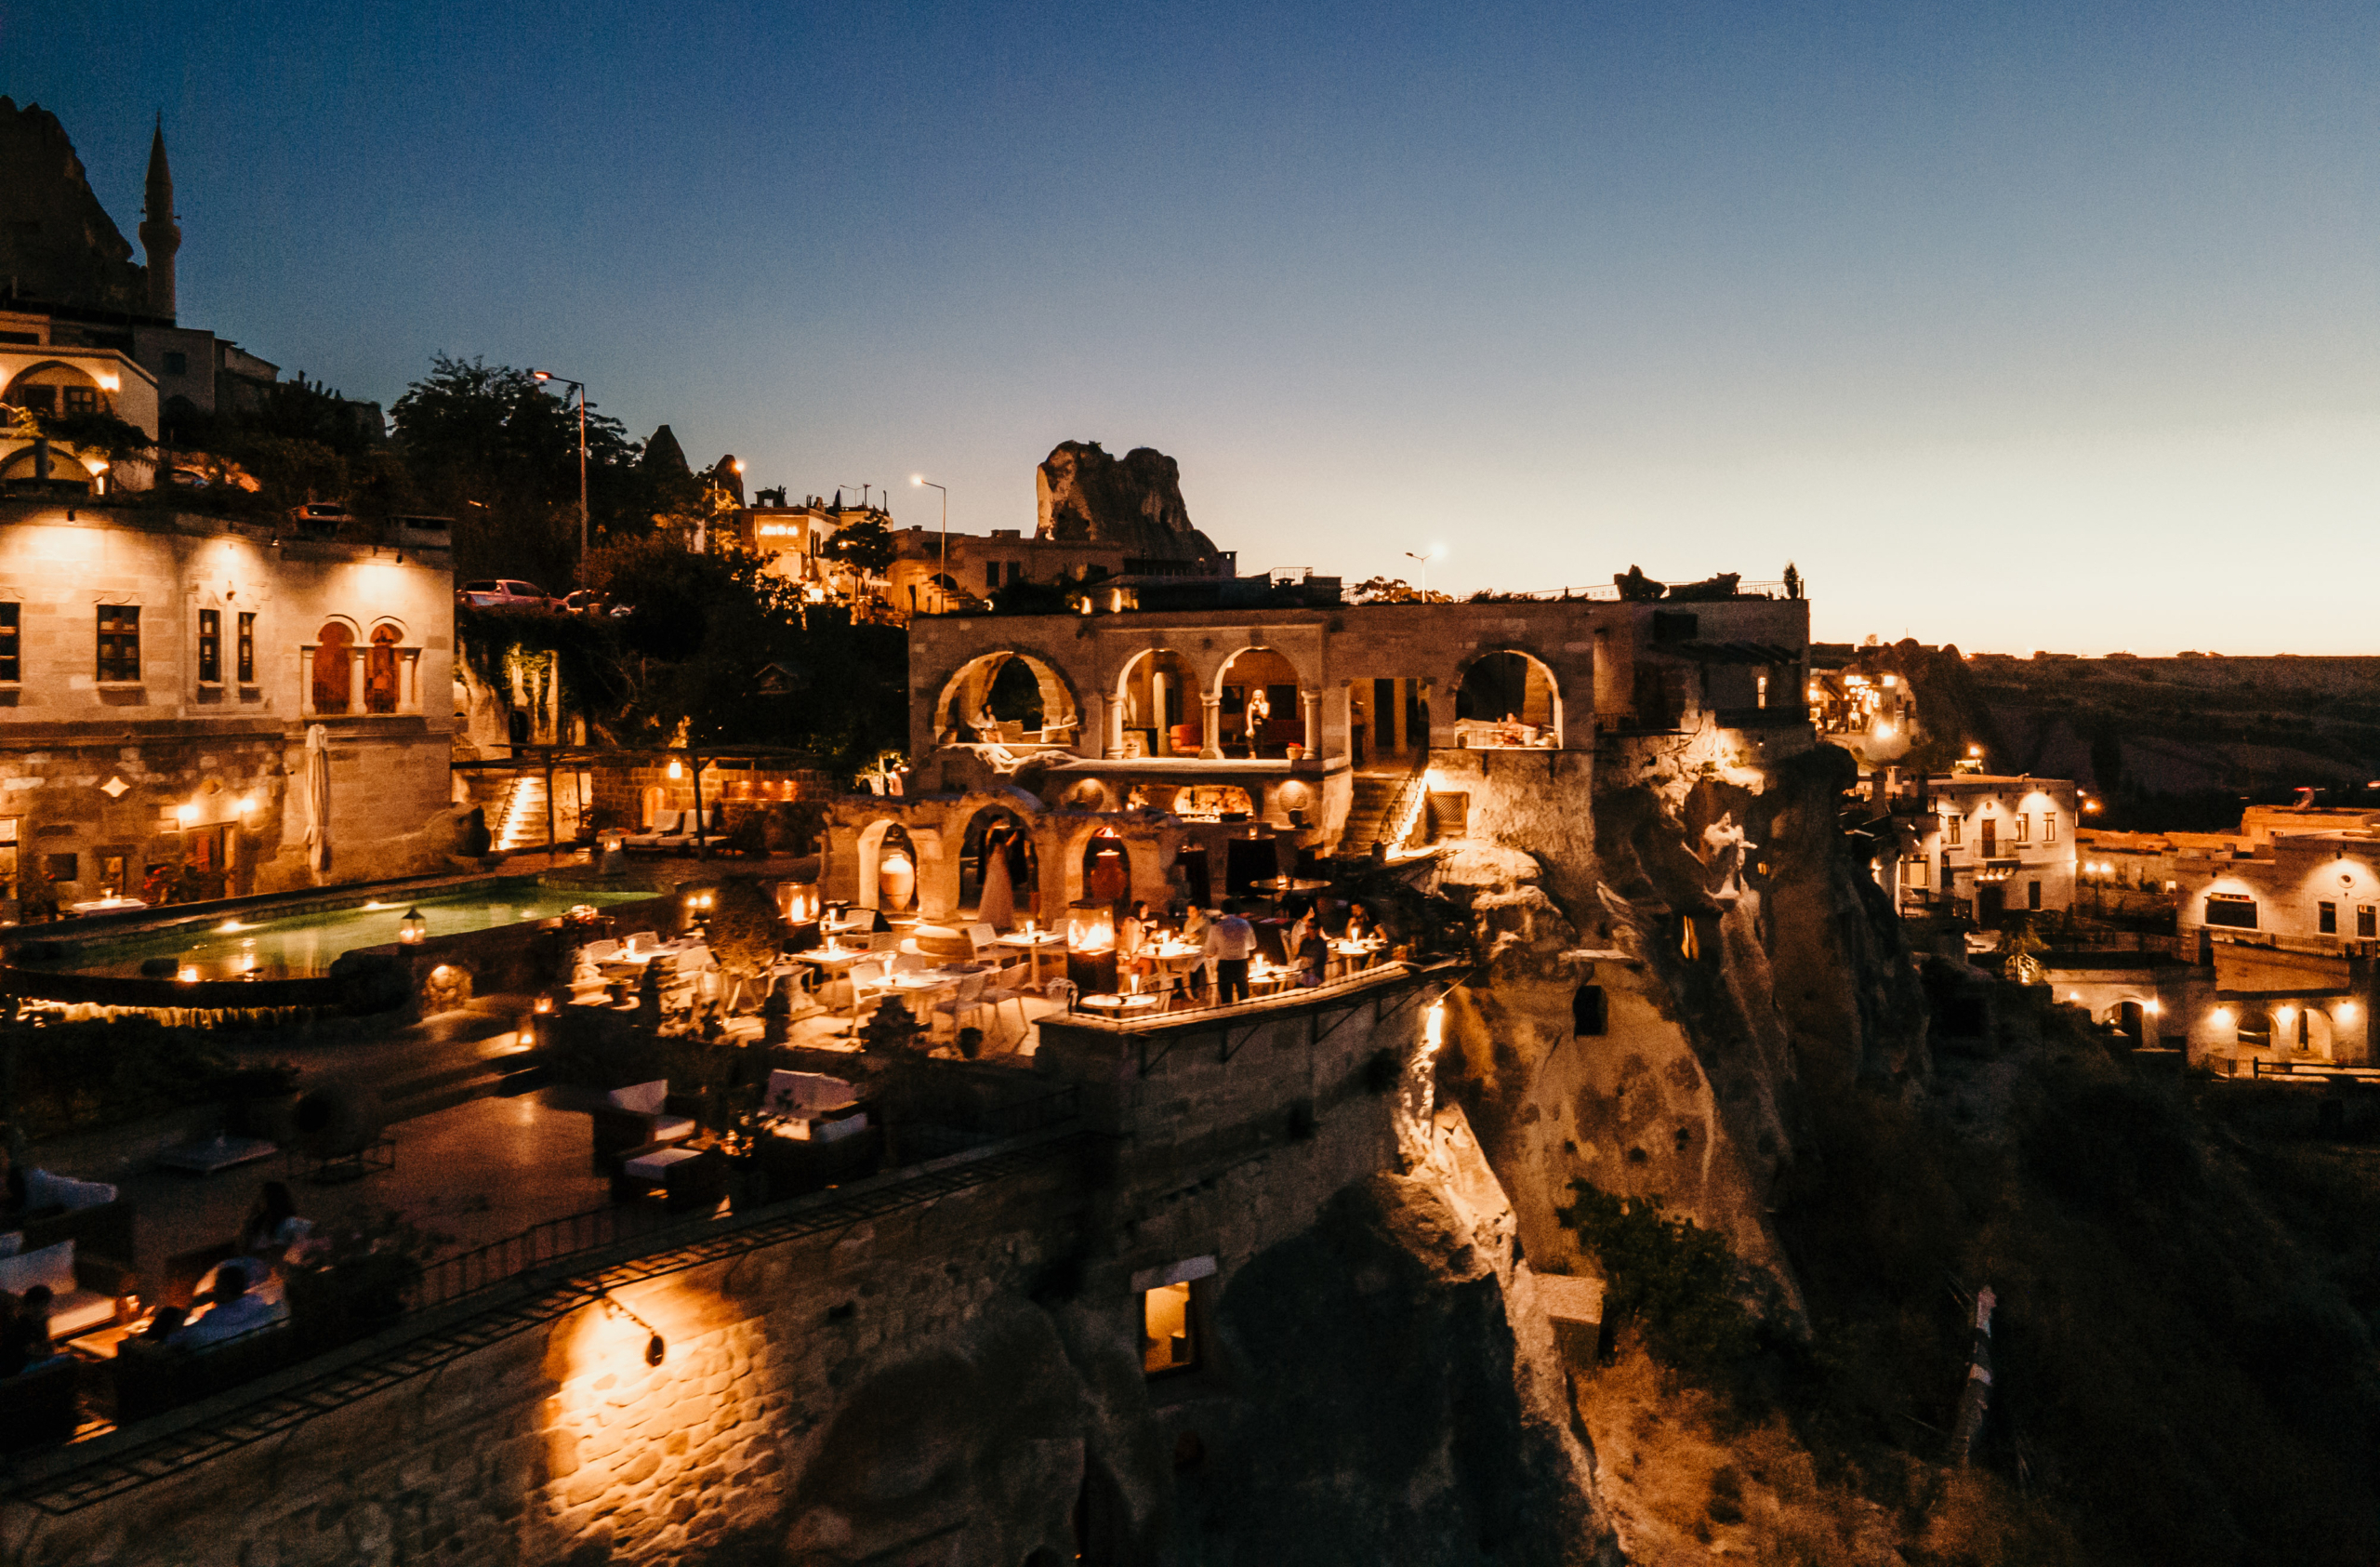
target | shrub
[{"x": 1678, "y": 1286}]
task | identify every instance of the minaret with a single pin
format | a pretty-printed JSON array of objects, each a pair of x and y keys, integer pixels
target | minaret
[{"x": 159, "y": 235}]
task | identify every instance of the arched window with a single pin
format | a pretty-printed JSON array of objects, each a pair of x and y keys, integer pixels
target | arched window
[
  {"x": 380, "y": 672},
  {"x": 334, "y": 669}
]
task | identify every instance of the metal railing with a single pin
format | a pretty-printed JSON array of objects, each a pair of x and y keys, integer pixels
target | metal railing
[
  {"x": 941, "y": 1135},
  {"x": 468, "y": 1272}
]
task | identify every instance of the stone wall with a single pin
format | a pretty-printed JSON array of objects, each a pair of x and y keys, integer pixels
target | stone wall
[{"x": 958, "y": 1378}]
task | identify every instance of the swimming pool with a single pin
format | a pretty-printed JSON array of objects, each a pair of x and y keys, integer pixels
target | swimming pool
[{"x": 296, "y": 945}]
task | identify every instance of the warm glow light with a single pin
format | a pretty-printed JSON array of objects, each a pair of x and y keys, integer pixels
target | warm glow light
[
  {"x": 110, "y": 380},
  {"x": 2151, "y": 1007},
  {"x": 2346, "y": 1012},
  {"x": 414, "y": 929},
  {"x": 187, "y": 811},
  {"x": 228, "y": 926},
  {"x": 1884, "y": 731},
  {"x": 677, "y": 770},
  {"x": 188, "y": 976},
  {"x": 2287, "y": 1014},
  {"x": 1975, "y": 750},
  {"x": 2221, "y": 1017},
  {"x": 917, "y": 480}
]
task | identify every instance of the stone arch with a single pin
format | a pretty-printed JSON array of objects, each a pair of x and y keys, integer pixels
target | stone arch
[
  {"x": 1146, "y": 859},
  {"x": 967, "y": 688},
  {"x": 62, "y": 377},
  {"x": 1501, "y": 687},
  {"x": 973, "y": 868},
  {"x": 332, "y": 666},
  {"x": 22, "y": 463},
  {"x": 2301, "y": 1029},
  {"x": 871, "y": 850},
  {"x": 1180, "y": 728},
  {"x": 1259, "y": 668}
]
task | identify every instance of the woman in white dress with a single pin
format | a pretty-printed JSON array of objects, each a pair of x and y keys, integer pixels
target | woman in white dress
[{"x": 999, "y": 907}]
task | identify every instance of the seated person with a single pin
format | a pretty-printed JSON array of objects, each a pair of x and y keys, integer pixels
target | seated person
[
  {"x": 272, "y": 1225},
  {"x": 24, "y": 1336},
  {"x": 235, "y": 1310},
  {"x": 166, "y": 1322},
  {"x": 1313, "y": 957}
]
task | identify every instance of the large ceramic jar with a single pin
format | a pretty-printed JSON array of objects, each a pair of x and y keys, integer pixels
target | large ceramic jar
[{"x": 896, "y": 881}]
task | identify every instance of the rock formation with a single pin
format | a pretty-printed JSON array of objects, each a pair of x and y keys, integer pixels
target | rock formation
[
  {"x": 1088, "y": 496},
  {"x": 58, "y": 245}
]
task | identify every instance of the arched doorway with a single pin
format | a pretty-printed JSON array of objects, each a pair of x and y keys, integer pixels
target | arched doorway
[
  {"x": 1106, "y": 869},
  {"x": 333, "y": 667},
  {"x": 1507, "y": 700},
  {"x": 1006, "y": 697},
  {"x": 1159, "y": 698},
  {"x": 891, "y": 871},
  {"x": 997, "y": 852},
  {"x": 1261, "y": 712}
]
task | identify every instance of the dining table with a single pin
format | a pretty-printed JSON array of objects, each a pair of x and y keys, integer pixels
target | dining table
[
  {"x": 1032, "y": 945},
  {"x": 835, "y": 963},
  {"x": 1348, "y": 956},
  {"x": 1121, "y": 1008}
]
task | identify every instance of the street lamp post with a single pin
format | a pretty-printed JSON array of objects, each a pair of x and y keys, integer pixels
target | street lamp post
[
  {"x": 580, "y": 387},
  {"x": 1426, "y": 557},
  {"x": 942, "y": 586}
]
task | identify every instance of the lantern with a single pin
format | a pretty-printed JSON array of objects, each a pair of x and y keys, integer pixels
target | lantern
[
  {"x": 1091, "y": 947},
  {"x": 412, "y": 930}
]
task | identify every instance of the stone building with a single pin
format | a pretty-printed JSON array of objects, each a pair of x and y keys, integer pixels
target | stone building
[
  {"x": 159, "y": 675},
  {"x": 1986, "y": 845},
  {"x": 83, "y": 326}
]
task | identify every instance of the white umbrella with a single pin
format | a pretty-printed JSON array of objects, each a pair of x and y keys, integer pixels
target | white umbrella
[{"x": 318, "y": 797}]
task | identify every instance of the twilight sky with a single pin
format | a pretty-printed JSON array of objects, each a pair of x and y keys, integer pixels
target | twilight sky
[{"x": 2018, "y": 327}]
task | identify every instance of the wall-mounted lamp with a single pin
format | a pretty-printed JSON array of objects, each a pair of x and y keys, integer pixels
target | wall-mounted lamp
[
  {"x": 657, "y": 1348},
  {"x": 676, "y": 769}
]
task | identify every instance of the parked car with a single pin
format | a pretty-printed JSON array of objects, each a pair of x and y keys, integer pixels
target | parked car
[
  {"x": 320, "y": 516},
  {"x": 188, "y": 479},
  {"x": 503, "y": 593}
]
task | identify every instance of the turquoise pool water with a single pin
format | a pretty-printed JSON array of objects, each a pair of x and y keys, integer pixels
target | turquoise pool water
[{"x": 299, "y": 945}]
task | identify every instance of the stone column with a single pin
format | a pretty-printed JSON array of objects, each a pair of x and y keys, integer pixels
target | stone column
[
  {"x": 1162, "y": 742},
  {"x": 1111, "y": 726},
  {"x": 1312, "y": 702},
  {"x": 1212, "y": 746}
]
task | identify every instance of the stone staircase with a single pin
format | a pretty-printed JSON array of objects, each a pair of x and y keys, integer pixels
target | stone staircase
[
  {"x": 481, "y": 1060},
  {"x": 1381, "y": 799},
  {"x": 521, "y": 821}
]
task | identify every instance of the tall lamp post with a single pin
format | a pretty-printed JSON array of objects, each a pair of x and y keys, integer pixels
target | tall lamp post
[
  {"x": 580, "y": 387},
  {"x": 942, "y": 586},
  {"x": 1426, "y": 557}
]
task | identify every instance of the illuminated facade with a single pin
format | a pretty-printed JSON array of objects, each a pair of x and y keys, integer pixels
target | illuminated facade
[
  {"x": 158, "y": 675},
  {"x": 1989, "y": 844}
]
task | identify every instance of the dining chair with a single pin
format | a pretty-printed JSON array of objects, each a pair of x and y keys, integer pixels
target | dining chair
[{"x": 968, "y": 997}]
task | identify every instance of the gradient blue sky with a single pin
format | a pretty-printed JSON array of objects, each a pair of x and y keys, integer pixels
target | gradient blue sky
[{"x": 2018, "y": 327}]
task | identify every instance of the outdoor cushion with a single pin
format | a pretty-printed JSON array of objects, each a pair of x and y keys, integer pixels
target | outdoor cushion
[
  {"x": 806, "y": 1091},
  {"x": 671, "y": 1128},
  {"x": 646, "y": 1098},
  {"x": 655, "y": 1166},
  {"x": 73, "y": 1308},
  {"x": 53, "y": 1266},
  {"x": 45, "y": 1190}
]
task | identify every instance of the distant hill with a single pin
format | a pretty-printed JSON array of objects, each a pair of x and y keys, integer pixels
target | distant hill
[{"x": 2180, "y": 742}]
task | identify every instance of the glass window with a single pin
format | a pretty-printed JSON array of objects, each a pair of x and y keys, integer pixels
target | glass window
[
  {"x": 40, "y": 399},
  {"x": 2231, "y": 910},
  {"x": 247, "y": 648},
  {"x": 81, "y": 400},
  {"x": 2024, "y": 827},
  {"x": 10, "y": 670},
  {"x": 380, "y": 672},
  {"x": 1913, "y": 870},
  {"x": 2049, "y": 827},
  {"x": 334, "y": 669},
  {"x": 991, "y": 574},
  {"x": 120, "y": 641},
  {"x": 2326, "y": 916},
  {"x": 2032, "y": 894},
  {"x": 1955, "y": 823},
  {"x": 1169, "y": 1341},
  {"x": 64, "y": 868},
  {"x": 2367, "y": 921},
  {"x": 210, "y": 647},
  {"x": 9, "y": 827}
]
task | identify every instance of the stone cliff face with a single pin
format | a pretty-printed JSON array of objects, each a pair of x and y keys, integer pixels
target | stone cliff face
[
  {"x": 1650, "y": 1016},
  {"x": 1088, "y": 496},
  {"x": 58, "y": 245}
]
